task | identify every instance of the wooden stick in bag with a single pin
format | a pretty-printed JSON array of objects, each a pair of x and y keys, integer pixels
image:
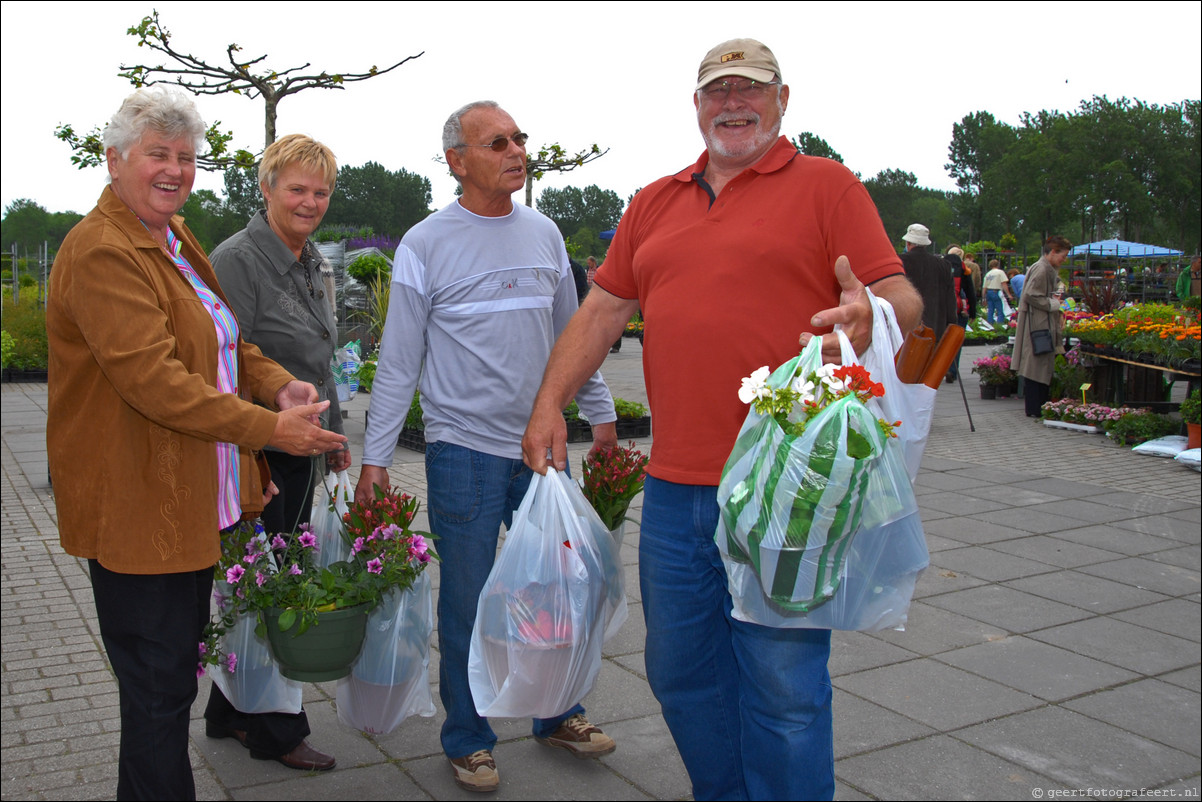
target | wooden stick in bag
[
  {"x": 912, "y": 358},
  {"x": 945, "y": 352}
]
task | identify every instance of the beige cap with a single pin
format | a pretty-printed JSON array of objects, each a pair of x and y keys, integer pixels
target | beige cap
[{"x": 745, "y": 58}]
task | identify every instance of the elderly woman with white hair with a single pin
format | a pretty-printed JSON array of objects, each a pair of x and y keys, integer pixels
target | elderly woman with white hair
[{"x": 152, "y": 428}]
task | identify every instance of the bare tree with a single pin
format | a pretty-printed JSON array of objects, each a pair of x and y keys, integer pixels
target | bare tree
[
  {"x": 241, "y": 77},
  {"x": 554, "y": 159}
]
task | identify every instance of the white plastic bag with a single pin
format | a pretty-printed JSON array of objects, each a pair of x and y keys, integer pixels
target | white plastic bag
[
  {"x": 554, "y": 594},
  {"x": 1190, "y": 458},
  {"x": 328, "y": 511},
  {"x": 1168, "y": 446},
  {"x": 256, "y": 685},
  {"x": 880, "y": 563},
  {"x": 912, "y": 404},
  {"x": 390, "y": 680}
]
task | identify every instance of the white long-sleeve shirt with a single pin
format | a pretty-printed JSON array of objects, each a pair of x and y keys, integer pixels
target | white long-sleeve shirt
[{"x": 476, "y": 305}]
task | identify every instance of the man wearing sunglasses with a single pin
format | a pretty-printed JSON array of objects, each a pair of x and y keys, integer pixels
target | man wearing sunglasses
[
  {"x": 480, "y": 291},
  {"x": 730, "y": 259}
]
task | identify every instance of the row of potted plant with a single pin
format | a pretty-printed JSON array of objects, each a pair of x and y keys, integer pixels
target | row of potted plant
[{"x": 1162, "y": 333}]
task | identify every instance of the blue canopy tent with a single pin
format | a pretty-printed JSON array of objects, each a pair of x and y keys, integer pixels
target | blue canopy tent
[
  {"x": 1145, "y": 286},
  {"x": 1121, "y": 249}
]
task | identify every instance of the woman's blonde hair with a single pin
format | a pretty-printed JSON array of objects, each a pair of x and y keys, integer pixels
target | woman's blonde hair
[{"x": 297, "y": 149}]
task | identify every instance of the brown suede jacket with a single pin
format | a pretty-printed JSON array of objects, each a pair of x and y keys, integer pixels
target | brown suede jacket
[{"x": 134, "y": 410}]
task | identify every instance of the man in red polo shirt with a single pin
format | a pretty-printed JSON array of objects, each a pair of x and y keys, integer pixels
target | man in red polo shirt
[{"x": 731, "y": 260}]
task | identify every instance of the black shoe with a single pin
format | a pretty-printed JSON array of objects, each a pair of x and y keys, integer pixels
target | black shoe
[{"x": 217, "y": 731}]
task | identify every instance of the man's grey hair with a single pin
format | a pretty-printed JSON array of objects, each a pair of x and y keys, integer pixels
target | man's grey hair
[
  {"x": 169, "y": 113},
  {"x": 452, "y": 131}
]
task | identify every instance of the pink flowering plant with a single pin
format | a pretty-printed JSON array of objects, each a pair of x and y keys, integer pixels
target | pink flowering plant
[
  {"x": 258, "y": 571},
  {"x": 995, "y": 370},
  {"x": 1071, "y": 411}
]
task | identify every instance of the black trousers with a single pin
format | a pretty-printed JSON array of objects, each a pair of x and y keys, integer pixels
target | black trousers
[
  {"x": 151, "y": 625},
  {"x": 296, "y": 478},
  {"x": 1035, "y": 395},
  {"x": 267, "y": 734}
]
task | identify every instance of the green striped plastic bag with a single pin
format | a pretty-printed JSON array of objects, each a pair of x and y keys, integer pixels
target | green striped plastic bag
[{"x": 790, "y": 505}]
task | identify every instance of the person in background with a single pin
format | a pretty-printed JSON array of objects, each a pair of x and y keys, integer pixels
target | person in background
[
  {"x": 282, "y": 291},
  {"x": 151, "y": 430},
  {"x": 1188, "y": 280},
  {"x": 996, "y": 285},
  {"x": 932, "y": 279},
  {"x": 970, "y": 262},
  {"x": 480, "y": 291},
  {"x": 1017, "y": 279},
  {"x": 1039, "y": 310},
  {"x": 777, "y": 244}
]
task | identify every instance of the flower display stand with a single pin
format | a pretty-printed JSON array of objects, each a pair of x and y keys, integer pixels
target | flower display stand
[
  {"x": 1072, "y": 427},
  {"x": 629, "y": 428},
  {"x": 412, "y": 439}
]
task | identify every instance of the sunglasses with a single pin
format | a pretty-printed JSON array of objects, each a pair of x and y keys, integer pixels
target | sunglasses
[{"x": 501, "y": 143}]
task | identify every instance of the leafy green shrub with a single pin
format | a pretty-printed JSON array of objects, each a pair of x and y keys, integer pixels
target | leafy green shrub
[
  {"x": 414, "y": 419},
  {"x": 1191, "y": 408},
  {"x": 629, "y": 409},
  {"x": 25, "y": 323},
  {"x": 572, "y": 411},
  {"x": 368, "y": 267},
  {"x": 1140, "y": 426},
  {"x": 6, "y": 349}
]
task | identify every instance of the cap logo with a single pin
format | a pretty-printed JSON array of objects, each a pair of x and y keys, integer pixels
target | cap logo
[{"x": 735, "y": 56}]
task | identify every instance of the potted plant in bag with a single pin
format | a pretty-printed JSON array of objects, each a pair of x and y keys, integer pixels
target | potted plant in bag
[
  {"x": 314, "y": 616},
  {"x": 1191, "y": 413},
  {"x": 611, "y": 478}
]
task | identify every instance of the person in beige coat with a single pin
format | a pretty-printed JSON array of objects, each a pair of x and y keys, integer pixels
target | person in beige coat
[{"x": 1039, "y": 309}]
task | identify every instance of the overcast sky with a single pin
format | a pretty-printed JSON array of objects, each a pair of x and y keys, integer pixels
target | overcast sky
[{"x": 883, "y": 83}]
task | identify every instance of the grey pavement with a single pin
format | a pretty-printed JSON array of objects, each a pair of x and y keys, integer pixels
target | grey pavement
[{"x": 1053, "y": 645}]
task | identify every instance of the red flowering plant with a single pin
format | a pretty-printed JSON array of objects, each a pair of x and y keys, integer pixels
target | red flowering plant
[
  {"x": 799, "y": 402},
  {"x": 612, "y": 478}
]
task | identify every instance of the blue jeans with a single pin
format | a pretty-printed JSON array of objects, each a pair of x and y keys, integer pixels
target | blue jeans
[
  {"x": 470, "y": 494},
  {"x": 994, "y": 299},
  {"x": 748, "y": 706}
]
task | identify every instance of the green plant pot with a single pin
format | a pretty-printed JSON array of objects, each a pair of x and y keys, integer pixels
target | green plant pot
[{"x": 325, "y": 651}]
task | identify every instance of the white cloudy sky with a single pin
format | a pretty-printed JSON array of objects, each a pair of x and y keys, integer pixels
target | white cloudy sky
[{"x": 883, "y": 83}]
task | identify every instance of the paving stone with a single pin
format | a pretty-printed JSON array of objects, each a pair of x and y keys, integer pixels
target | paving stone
[
  {"x": 934, "y": 694},
  {"x": 1167, "y": 713},
  {"x": 1142, "y": 572},
  {"x": 1167, "y": 617},
  {"x": 1007, "y": 608},
  {"x": 1055, "y": 550},
  {"x": 1080, "y": 752},
  {"x": 1126, "y": 645},
  {"x": 1039, "y": 669},
  {"x": 990, "y": 565},
  {"x": 1092, "y": 593},
  {"x": 965, "y": 772}
]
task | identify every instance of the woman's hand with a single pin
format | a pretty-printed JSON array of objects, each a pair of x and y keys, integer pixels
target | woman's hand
[
  {"x": 296, "y": 433},
  {"x": 339, "y": 460},
  {"x": 270, "y": 492}
]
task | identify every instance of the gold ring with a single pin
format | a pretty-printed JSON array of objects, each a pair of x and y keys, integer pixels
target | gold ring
[{"x": 315, "y": 452}]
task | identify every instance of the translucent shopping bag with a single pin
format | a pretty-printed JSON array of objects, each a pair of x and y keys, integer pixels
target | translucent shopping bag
[
  {"x": 390, "y": 680},
  {"x": 555, "y": 592},
  {"x": 256, "y": 684},
  {"x": 791, "y": 505},
  {"x": 328, "y": 511}
]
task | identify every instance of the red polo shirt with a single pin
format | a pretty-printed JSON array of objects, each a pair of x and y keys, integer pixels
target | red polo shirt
[{"x": 730, "y": 287}]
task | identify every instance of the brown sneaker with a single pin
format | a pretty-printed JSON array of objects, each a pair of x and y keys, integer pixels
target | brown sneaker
[
  {"x": 476, "y": 772},
  {"x": 580, "y": 738}
]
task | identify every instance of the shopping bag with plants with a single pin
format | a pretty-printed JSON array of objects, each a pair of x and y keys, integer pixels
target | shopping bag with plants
[
  {"x": 811, "y": 467},
  {"x": 554, "y": 593}
]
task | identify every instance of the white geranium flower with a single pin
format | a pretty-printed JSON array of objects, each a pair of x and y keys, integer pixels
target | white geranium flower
[
  {"x": 827, "y": 374},
  {"x": 755, "y": 386},
  {"x": 803, "y": 388}
]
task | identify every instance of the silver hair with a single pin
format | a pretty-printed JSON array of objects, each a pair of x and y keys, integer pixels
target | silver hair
[
  {"x": 165, "y": 111},
  {"x": 452, "y": 130}
]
